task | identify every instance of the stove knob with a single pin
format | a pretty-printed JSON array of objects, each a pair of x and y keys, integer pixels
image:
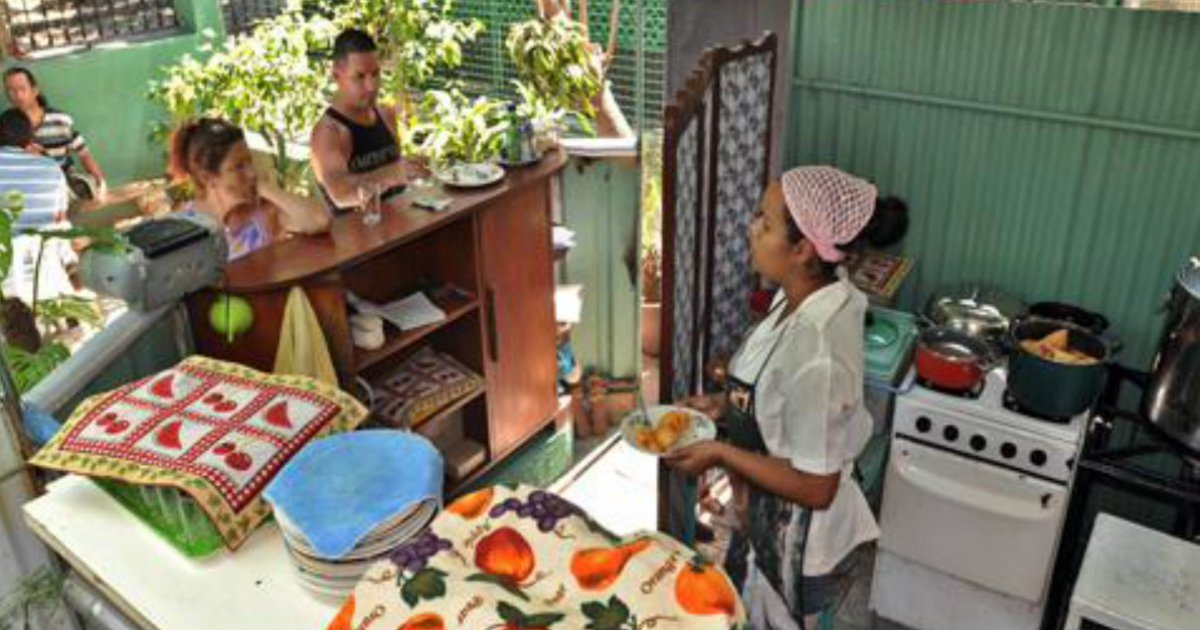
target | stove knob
[
  {"x": 1037, "y": 457},
  {"x": 1008, "y": 450},
  {"x": 924, "y": 424},
  {"x": 950, "y": 433},
  {"x": 978, "y": 443}
]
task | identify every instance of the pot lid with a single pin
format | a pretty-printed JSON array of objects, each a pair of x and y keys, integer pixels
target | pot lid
[
  {"x": 974, "y": 306},
  {"x": 1189, "y": 277}
]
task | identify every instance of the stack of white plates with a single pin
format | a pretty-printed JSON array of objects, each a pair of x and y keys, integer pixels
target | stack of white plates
[
  {"x": 348, "y": 500},
  {"x": 336, "y": 577}
]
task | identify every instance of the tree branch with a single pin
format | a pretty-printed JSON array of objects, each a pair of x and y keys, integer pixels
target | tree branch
[{"x": 614, "y": 16}]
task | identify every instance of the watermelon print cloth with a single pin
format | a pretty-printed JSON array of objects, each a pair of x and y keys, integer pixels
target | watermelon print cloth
[{"x": 218, "y": 431}]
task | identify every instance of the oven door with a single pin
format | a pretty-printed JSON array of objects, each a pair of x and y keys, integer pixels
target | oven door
[{"x": 979, "y": 522}]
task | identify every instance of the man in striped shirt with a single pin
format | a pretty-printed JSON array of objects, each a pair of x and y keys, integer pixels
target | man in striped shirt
[
  {"x": 54, "y": 131},
  {"x": 42, "y": 189}
]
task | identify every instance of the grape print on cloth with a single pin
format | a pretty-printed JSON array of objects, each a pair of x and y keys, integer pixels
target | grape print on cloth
[{"x": 525, "y": 558}]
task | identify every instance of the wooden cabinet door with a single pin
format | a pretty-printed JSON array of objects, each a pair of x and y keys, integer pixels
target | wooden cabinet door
[{"x": 518, "y": 301}]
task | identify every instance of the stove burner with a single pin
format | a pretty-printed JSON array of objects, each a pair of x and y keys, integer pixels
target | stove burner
[{"x": 966, "y": 394}]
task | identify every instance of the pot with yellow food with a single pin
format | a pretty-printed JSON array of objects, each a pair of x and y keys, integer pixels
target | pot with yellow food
[{"x": 1057, "y": 369}]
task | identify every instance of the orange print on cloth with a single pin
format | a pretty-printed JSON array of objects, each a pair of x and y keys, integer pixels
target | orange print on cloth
[
  {"x": 526, "y": 559},
  {"x": 472, "y": 505},
  {"x": 702, "y": 589},
  {"x": 597, "y": 569},
  {"x": 217, "y": 431}
]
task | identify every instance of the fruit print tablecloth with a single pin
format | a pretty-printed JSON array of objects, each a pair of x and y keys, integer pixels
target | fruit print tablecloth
[
  {"x": 525, "y": 559},
  {"x": 218, "y": 431}
]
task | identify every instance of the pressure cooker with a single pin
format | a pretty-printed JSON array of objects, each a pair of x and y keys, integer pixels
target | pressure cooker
[{"x": 1172, "y": 399}]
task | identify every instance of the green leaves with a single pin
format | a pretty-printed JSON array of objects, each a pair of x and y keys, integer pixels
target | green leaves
[
  {"x": 11, "y": 205},
  {"x": 451, "y": 128},
  {"x": 30, "y": 368},
  {"x": 611, "y": 616},
  {"x": 272, "y": 81},
  {"x": 417, "y": 38},
  {"x": 558, "y": 74},
  {"x": 69, "y": 307},
  {"x": 517, "y": 620},
  {"x": 426, "y": 584},
  {"x": 501, "y": 581}
]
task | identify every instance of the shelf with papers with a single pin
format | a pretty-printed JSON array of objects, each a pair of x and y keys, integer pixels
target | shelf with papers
[{"x": 456, "y": 304}]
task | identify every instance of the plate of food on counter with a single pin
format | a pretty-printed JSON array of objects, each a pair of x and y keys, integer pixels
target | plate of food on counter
[
  {"x": 470, "y": 175},
  {"x": 663, "y": 428}
]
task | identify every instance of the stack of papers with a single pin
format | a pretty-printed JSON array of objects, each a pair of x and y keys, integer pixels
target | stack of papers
[
  {"x": 568, "y": 303},
  {"x": 408, "y": 313},
  {"x": 563, "y": 237}
]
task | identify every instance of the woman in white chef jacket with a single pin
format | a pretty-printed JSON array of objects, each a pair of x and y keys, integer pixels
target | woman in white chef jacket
[{"x": 793, "y": 408}]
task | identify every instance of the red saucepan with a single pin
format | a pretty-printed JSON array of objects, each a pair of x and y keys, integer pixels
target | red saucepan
[{"x": 951, "y": 359}]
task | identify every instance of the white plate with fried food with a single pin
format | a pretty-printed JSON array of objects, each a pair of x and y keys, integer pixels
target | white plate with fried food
[{"x": 664, "y": 428}]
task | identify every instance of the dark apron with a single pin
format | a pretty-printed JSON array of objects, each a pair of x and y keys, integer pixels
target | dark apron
[{"x": 775, "y": 528}]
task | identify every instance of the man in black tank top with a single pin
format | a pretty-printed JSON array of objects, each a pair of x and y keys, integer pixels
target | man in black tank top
[{"x": 354, "y": 144}]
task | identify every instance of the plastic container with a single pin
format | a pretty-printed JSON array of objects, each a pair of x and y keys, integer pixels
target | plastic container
[{"x": 172, "y": 513}]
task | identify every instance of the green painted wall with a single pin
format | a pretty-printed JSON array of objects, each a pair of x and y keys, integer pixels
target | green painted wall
[
  {"x": 104, "y": 89},
  {"x": 1052, "y": 148},
  {"x": 600, "y": 202}
]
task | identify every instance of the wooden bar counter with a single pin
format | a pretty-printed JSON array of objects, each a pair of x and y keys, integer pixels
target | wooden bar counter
[{"x": 486, "y": 261}]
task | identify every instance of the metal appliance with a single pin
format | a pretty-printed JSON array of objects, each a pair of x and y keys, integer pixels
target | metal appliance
[
  {"x": 1130, "y": 468},
  {"x": 165, "y": 259},
  {"x": 973, "y": 505},
  {"x": 1172, "y": 399}
]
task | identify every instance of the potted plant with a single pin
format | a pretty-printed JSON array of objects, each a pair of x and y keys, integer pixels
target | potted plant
[
  {"x": 563, "y": 72},
  {"x": 460, "y": 136},
  {"x": 557, "y": 73},
  {"x": 33, "y": 332}
]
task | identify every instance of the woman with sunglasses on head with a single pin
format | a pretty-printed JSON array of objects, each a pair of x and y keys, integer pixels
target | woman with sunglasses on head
[{"x": 213, "y": 155}]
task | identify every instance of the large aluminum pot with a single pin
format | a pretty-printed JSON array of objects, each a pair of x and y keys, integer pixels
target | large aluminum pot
[
  {"x": 1050, "y": 388},
  {"x": 979, "y": 310},
  {"x": 1172, "y": 400}
]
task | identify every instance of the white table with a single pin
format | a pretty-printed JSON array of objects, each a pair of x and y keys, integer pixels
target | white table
[
  {"x": 159, "y": 588},
  {"x": 1135, "y": 578}
]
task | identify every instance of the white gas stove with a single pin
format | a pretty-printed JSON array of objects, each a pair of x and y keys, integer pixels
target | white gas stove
[
  {"x": 988, "y": 427},
  {"x": 973, "y": 504}
]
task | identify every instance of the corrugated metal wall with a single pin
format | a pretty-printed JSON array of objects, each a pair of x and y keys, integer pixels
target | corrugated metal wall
[
  {"x": 601, "y": 203},
  {"x": 1054, "y": 149}
]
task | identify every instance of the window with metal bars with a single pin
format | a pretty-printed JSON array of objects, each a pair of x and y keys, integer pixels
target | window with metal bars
[
  {"x": 638, "y": 73},
  {"x": 241, "y": 15},
  {"x": 40, "y": 25}
]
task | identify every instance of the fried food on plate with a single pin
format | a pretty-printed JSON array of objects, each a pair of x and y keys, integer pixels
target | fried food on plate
[{"x": 664, "y": 434}]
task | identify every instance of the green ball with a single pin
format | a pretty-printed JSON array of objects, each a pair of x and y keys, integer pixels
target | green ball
[{"x": 231, "y": 315}]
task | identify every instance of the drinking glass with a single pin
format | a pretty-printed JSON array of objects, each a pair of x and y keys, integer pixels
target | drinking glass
[{"x": 369, "y": 201}]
